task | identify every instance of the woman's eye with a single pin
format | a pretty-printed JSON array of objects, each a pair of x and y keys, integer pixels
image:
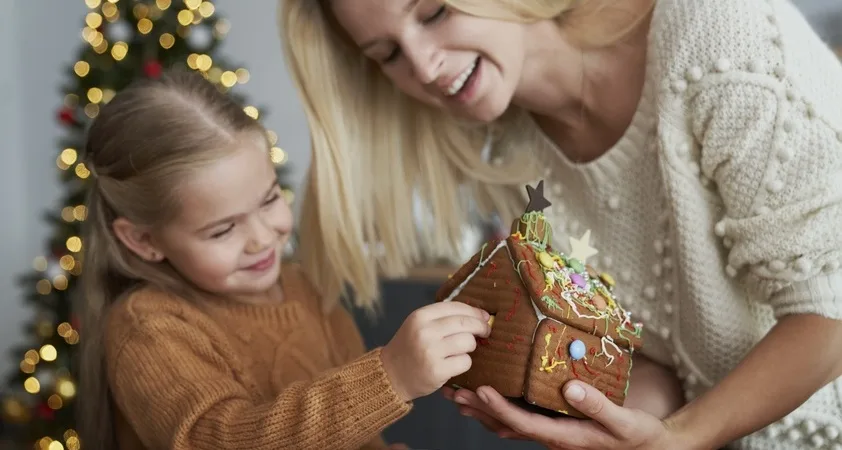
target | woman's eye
[
  {"x": 392, "y": 56},
  {"x": 437, "y": 15}
]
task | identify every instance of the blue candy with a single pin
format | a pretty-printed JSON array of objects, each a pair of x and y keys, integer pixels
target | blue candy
[{"x": 577, "y": 350}]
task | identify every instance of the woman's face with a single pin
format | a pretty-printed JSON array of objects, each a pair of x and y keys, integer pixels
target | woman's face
[{"x": 467, "y": 65}]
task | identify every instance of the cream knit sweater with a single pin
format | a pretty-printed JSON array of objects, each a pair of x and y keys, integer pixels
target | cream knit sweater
[{"x": 721, "y": 206}]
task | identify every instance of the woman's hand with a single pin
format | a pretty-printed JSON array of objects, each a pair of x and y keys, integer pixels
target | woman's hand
[
  {"x": 432, "y": 346},
  {"x": 652, "y": 388},
  {"x": 610, "y": 426}
]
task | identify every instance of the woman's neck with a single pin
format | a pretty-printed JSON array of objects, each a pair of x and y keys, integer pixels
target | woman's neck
[{"x": 584, "y": 99}]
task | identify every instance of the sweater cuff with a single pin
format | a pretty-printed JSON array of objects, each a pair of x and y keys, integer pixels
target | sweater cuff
[
  {"x": 379, "y": 405},
  {"x": 821, "y": 295}
]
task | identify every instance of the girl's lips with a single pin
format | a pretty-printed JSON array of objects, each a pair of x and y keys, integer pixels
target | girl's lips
[{"x": 264, "y": 263}]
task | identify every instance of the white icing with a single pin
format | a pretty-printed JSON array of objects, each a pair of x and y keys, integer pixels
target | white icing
[{"x": 479, "y": 267}]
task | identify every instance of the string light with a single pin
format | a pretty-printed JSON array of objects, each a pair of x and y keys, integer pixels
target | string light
[
  {"x": 82, "y": 68},
  {"x": 94, "y": 96},
  {"x": 119, "y": 50},
  {"x": 185, "y": 17},
  {"x": 140, "y": 11},
  {"x": 48, "y": 353},
  {"x": 166, "y": 40},
  {"x": 94, "y": 20},
  {"x": 206, "y": 9},
  {"x": 144, "y": 25},
  {"x": 252, "y": 112},
  {"x": 40, "y": 264},
  {"x": 242, "y": 75},
  {"x": 110, "y": 11}
]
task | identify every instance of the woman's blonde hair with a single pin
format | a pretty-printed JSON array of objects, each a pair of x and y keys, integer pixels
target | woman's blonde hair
[
  {"x": 141, "y": 146},
  {"x": 373, "y": 148}
]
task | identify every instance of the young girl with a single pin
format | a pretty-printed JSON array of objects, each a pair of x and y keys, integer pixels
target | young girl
[{"x": 197, "y": 336}]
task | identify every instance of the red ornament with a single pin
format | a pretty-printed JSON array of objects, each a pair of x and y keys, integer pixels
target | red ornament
[
  {"x": 65, "y": 115},
  {"x": 152, "y": 69},
  {"x": 45, "y": 412}
]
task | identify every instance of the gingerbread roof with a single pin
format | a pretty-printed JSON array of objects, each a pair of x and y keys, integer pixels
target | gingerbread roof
[{"x": 566, "y": 289}]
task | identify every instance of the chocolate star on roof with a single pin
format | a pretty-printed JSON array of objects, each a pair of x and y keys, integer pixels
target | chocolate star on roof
[{"x": 537, "y": 202}]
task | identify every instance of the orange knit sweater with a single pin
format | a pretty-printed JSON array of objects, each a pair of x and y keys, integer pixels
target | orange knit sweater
[{"x": 230, "y": 375}]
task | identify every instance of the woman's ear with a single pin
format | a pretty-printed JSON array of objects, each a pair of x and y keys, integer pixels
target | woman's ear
[{"x": 137, "y": 239}]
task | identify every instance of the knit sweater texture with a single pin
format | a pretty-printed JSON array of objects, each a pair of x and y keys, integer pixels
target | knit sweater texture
[
  {"x": 720, "y": 209},
  {"x": 229, "y": 375}
]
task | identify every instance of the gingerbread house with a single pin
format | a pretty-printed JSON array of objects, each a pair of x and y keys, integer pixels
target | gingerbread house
[{"x": 554, "y": 317}]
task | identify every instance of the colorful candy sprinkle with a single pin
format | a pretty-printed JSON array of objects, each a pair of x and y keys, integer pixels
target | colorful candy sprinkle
[{"x": 577, "y": 350}]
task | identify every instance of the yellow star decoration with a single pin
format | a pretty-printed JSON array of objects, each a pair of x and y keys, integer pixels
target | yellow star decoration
[{"x": 581, "y": 248}]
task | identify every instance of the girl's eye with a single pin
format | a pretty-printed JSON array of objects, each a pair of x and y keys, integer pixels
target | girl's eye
[
  {"x": 222, "y": 233},
  {"x": 275, "y": 196}
]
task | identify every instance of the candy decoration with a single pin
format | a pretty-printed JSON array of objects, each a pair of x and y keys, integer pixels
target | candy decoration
[
  {"x": 607, "y": 279},
  {"x": 581, "y": 248},
  {"x": 599, "y": 302},
  {"x": 577, "y": 350},
  {"x": 578, "y": 280},
  {"x": 576, "y": 265},
  {"x": 546, "y": 260}
]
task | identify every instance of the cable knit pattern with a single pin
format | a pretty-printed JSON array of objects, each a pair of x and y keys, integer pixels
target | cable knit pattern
[
  {"x": 225, "y": 375},
  {"x": 720, "y": 208}
]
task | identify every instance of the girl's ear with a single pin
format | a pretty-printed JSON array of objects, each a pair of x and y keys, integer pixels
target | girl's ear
[{"x": 137, "y": 239}]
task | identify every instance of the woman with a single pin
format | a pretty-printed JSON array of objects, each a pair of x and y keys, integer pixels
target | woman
[{"x": 699, "y": 140}]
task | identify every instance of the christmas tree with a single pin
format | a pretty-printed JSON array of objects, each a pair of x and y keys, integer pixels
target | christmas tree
[{"x": 122, "y": 41}]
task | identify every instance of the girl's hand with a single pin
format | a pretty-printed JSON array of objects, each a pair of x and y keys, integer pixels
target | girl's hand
[
  {"x": 610, "y": 427},
  {"x": 432, "y": 346}
]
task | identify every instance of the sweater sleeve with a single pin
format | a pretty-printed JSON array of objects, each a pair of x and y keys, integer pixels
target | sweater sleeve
[
  {"x": 777, "y": 166},
  {"x": 348, "y": 344},
  {"x": 179, "y": 393}
]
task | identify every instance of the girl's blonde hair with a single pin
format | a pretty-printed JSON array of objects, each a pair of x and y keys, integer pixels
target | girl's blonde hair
[
  {"x": 373, "y": 148},
  {"x": 140, "y": 147}
]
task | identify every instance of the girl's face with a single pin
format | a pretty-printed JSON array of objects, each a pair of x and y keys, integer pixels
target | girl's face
[
  {"x": 232, "y": 227},
  {"x": 467, "y": 65}
]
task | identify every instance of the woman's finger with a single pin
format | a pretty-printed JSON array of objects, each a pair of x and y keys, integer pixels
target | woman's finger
[
  {"x": 594, "y": 404},
  {"x": 553, "y": 433}
]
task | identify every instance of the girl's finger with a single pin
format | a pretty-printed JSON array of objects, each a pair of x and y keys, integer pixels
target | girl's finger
[{"x": 457, "y": 344}]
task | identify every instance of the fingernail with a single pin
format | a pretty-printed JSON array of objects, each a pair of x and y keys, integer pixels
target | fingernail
[
  {"x": 482, "y": 396},
  {"x": 574, "y": 393},
  {"x": 485, "y": 315},
  {"x": 461, "y": 400}
]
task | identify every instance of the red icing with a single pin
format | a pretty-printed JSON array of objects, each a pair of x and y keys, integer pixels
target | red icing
[
  {"x": 553, "y": 329},
  {"x": 573, "y": 367},
  {"x": 518, "y": 338},
  {"x": 585, "y": 363},
  {"x": 510, "y": 346},
  {"x": 511, "y": 312}
]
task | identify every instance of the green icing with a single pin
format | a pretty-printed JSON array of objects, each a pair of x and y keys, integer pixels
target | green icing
[{"x": 532, "y": 219}]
